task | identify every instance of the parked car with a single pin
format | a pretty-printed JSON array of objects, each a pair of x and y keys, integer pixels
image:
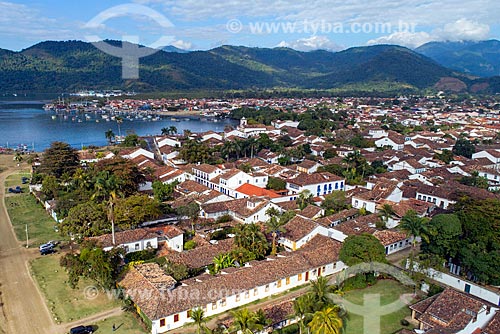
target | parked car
[
  {"x": 81, "y": 330},
  {"x": 47, "y": 245},
  {"x": 16, "y": 190},
  {"x": 46, "y": 251}
]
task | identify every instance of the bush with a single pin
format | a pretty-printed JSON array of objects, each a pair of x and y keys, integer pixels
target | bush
[
  {"x": 360, "y": 281},
  {"x": 224, "y": 219},
  {"x": 404, "y": 322},
  {"x": 143, "y": 255},
  {"x": 191, "y": 244},
  {"x": 434, "y": 290}
]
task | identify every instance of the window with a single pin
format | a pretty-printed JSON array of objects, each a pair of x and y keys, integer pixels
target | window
[
  {"x": 176, "y": 317},
  {"x": 223, "y": 302},
  {"x": 336, "y": 186},
  {"x": 214, "y": 306},
  {"x": 238, "y": 297},
  {"x": 247, "y": 294},
  {"x": 188, "y": 314},
  {"x": 279, "y": 284},
  {"x": 137, "y": 246},
  {"x": 255, "y": 292},
  {"x": 267, "y": 288},
  {"x": 287, "y": 280},
  {"x": 162, "y": 322},
  {"x": 148, "y": 244},
  {"x": 300, "y": 277}
]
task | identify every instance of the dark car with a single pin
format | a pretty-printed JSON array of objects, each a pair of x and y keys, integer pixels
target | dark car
[
  {"x": 46, "y": 251},
  {"x": 81, "y": 330}
]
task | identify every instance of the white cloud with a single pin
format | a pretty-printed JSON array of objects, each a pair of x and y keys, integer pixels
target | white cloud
[
  {"x": 182, "y": 44},
  {"x": 464, "y": 30},
  {"x": 404, "y": 38},
  {"x": 311, "y": 43},
  {"x": 460, "y": 30}
]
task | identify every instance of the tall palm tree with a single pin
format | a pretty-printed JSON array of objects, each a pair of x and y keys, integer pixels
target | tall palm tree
[
  {"x": 172, "y": 130},
  {"x": 326, "y": 321},
  {"x": 222, "y": 261},
  {"x": 107, "y": 188},
  {"x": 302, "y": 307},
  {"x": 119, "y": 120},
  {"x": 165, "y": 131},
  {"x": 304, "y": 199},
  {"x": 274, "y": 226},
  {"x": 109, "y": 135},
  {"x": 385, "y": 212},
  {"x": 198, "y": 316},
  {"x": 415, "y": 226},
  {"x": 321, "y": 292},
  {"x": 245, "y": 321}
]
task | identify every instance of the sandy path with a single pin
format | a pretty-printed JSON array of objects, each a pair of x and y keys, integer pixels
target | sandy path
[{"x": 23, "y": 309}]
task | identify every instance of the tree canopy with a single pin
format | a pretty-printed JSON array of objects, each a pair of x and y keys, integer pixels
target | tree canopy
[
  {"x": 59, "y": 159},
  {"x": 362, "y": 248}
]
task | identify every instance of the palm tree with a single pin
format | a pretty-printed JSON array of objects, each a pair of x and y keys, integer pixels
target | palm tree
[
  {"x": 415, "y": 226},
  {"x": 304, "y": 199},
  {"x": 198, "y": 316},
  {"x": 385, "y": 212},
  {"x": 320, "y": 290},
  {"x": 302, "y": 307},
  {"x": 172, "y": 130},
  {"x": 107, "y": 187},
  {"x": 165, "y": 131},
  {"x": 245, "y": 321},
  {"x": 326, "y": 321},
  {"x": 222, "y": 261},
  {"x": 274, "y": 226},
  {"x": 119, "y": 120},
  {"x": 109, "y": 135}
]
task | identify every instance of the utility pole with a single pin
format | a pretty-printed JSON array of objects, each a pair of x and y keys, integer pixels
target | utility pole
[{"x": 27, "y": 237}]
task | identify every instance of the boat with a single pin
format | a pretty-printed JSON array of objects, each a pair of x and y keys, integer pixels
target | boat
[{"x": 54, "y": 116}]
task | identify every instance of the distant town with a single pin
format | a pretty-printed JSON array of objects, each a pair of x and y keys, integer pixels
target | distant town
[{"x": 262, "y": 227}]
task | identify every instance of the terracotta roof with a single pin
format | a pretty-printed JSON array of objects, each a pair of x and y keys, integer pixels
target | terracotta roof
[
  {"x": 304, "y": 179},
  {"x": 493, "y": 326},
  {"x": 298, "y": 227},
  {"x": 201, "y": 256},
  {"x": 253, "y": 190},
  {"x": 389, "y": 237},
  {"x": 125, "y": 237},
  {"x": 318, "y": 252},
  {"x": 311, "y": 211},
  {"x": 205, "y": 168}
]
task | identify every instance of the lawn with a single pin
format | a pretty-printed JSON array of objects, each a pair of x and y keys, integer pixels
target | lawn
[
  {"x": 66, "y": 304},
  {"x": 389, "y": 291},
  {"x": 125, "y": 324},
  {"x": 23, "y": 209}
]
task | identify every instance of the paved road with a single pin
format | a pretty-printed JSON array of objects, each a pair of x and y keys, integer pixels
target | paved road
[{"x": 24, "y": 309}]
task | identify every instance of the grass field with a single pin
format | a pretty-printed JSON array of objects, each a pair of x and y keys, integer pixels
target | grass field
[
  {"x": 66, "y": 304},
  {"x": 389, "y": 291},
  {"x": 125, "y": 324},
  {"x": 23, "y": 209}
]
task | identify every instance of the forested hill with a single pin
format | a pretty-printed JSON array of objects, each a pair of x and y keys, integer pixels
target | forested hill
[{"x": 74, "y": 65}]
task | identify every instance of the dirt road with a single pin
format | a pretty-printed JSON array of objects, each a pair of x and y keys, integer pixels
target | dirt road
[{"x": 23, "y": 309}]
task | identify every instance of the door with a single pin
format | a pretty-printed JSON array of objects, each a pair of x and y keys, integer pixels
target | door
[
  {"x": 307, "y": 276},
  {"x": 467, "y": 288}
]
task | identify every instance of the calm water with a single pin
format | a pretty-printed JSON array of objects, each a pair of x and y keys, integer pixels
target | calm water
[{"x": 29, "y": 123}]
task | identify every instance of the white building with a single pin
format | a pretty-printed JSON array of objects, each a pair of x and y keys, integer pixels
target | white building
[{"x": 317, "y": 184}]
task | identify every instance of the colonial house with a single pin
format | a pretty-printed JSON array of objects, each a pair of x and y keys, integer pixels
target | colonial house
[
  {"x": 393, "y": 241},
  {"x": 203, "y": 173},
  {"x": 453, "y": 311},
  {"x": 492, "y": 155},
  {"x": 394, "y": 140},
  {"x": 308, "y": 166},
  {"x": 167, "y": 308},
  {"x": 411, "y": 165},
  {"x": 383, "y": 190},
  {"x": 245, "y": 210},
  {"x": 131, "y": 240},
  {"x": 299, "y": 231},
  {"x": 317, "y": 184}
]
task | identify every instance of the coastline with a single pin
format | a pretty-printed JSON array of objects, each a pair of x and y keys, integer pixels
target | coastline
[{"x": 179, "y": 113}]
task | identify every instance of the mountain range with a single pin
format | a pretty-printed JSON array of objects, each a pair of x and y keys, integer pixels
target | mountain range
[{"x": 74, "y": 65}]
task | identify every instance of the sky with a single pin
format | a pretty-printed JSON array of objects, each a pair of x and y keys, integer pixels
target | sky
[{"x": 204, "y": 24}]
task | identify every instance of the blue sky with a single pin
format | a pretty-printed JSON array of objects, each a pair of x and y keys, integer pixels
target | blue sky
[{"x": 300, "y": 24}]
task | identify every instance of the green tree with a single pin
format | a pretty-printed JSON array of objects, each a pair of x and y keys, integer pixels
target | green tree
[
  {"x": 222, "y": 261},
  {"x": 474, "y": 180},
  {"x": 415, "y": 226},
  {"x": 50, "y": 186},
  {"x": 192, "y": 211},
  {"x": 131, "y": 211},
  {"x": 445, "y": 156},
  {"x": 335, "y": 202},
  {"x": 86, "y": 220},
  {"x": 250, "y": 237},
  {"x": 445, "y": 241},
  {"x": 385, "y": 212},
  {"x": 245, "y": 321},
  {"x": 464, "y": 148},
  {"x": 326, "y": 321},
  {"x": 274, "y": 225},
  {"x": 321, "y": 292},
  {"x": 58, "y": 159},
  {"x": 362, "y": 248},
  {"x": 178, "y": 271},
  {"x": 124, "y": 172},
  {"x": 275, "y": 183},
  {"x": 198, "y": 316},
  {"x": 304, "y": 199},
  {"x": 164, "y": 191},
  {"x": 110, "y": 136},
  {"x": 131, "y": 140},
  {"x": 302, "y": 307}
]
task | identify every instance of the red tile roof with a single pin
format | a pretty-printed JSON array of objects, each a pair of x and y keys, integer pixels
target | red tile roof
[{"x": 252, "y": 190}]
